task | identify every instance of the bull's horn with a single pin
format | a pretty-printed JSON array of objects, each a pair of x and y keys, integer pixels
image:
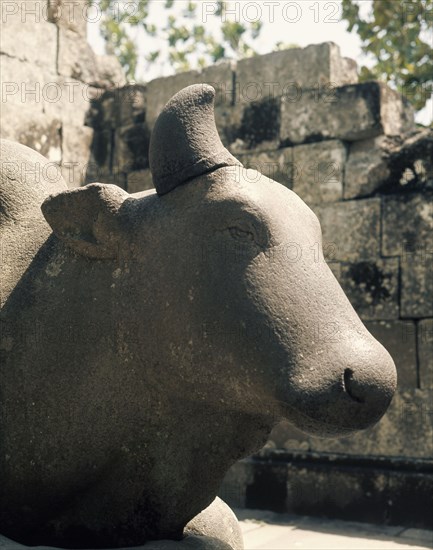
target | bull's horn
[{"x": 185, "y": 142}]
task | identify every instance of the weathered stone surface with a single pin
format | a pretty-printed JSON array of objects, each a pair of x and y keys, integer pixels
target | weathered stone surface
[
  {"x": 107, "y": 116},
  {"x": 372, "y": 287},
  {"x": 399, "y": 338},
  {"x": 160, "y": 90},
  {"x": 70, "y": 14},
  {"x": 411, "y": 162},
  {"x": 408, "y": 225},
  {"x": 140, "y": 181},
  {"x": 276, "y": 165},
  {"x": 110, "y": 72},
  {"x": 253, "y": 126},
  {"x": 36, "y": 130},
  {"x": 131, "y": 151},
  {"x": 345, "y": 71},
  {"x": 26, "y": 177},
  {"x": 70, "y": 101},
  {"x": 353, "y": 112},
  {"x": 195, "y": 146},
  {"x": 356, "y": 490},
  {"x": 425, "y": 353},
  {"x": 398, "y": 165},
  {"x": 338, "y": 486},
  {"x": 119, "y": 291},
  {"x": 351, "y": 230},
  {"x": 366, "y": 168},
  {"x": 390, "y": 165},
  {"x": 286, "y": 72},
  {"x": 218, "y": 523},
  {"x": 406, "y": 430},
  {"x": 119, "y": 108},
  {"x": 76, "y": 58},
  {"x": 76, "y": 147},
  {"x": 101, "y": 156},
  {"x": 25, "y": 84},
  {"x": 417, "y": 286},
  {"x": 318, "y": 171},
  {"x": 18, "y": 28},
  {"x": 131, "y": 101}
]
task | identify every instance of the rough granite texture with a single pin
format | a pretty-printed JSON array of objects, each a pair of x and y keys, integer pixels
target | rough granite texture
[
  {"x": 425, "y": 351},
  {"x": 366, "y": 168},
  {"x": 351, "y": 113},
  {"x": 276, "y": 165},
  {"x": 50, "y": 76},
  {"x": 408, "y": 225},
  {"x": 372, "y": 287},
  {"x": 287, "y": 72},
  {"x": 351, "y": 230},
  {"x": 318, "y": 171}
]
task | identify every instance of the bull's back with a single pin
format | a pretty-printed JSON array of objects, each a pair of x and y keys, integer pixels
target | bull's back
[{"x": 26, "y": 179}]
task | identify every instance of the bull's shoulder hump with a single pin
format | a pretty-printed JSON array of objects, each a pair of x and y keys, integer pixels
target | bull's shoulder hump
[{"x": 26, "y": 180}]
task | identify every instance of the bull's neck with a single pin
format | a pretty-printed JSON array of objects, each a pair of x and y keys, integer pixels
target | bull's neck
[{"x": 63, "y": 304}]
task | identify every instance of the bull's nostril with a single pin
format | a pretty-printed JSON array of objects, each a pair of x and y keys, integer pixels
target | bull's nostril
[{"x": 350, "y": 386}]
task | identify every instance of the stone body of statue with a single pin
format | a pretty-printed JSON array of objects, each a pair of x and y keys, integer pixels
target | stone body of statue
[{"x": 149, "y": 341}]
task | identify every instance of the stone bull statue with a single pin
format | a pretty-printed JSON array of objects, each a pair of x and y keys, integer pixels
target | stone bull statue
[{"x": 149, "y": 341}]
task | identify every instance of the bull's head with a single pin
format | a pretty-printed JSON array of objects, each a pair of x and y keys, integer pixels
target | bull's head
[{"x": 223, "y": 268}]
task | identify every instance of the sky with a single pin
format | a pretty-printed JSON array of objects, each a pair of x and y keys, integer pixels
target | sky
[{"x": 300, "y": 22}]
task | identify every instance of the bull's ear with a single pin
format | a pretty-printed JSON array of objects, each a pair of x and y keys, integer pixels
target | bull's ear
[{"x": 87, "y": 218}]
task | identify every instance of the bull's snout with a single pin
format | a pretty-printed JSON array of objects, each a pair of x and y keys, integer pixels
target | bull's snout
[
  {"x": 369, "y": 382},
  {"x": 362, "y": 388},
  {"x": 350, "y": 390}
]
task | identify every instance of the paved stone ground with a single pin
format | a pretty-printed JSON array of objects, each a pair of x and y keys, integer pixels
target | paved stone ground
[{"x": 270, "y": 531}]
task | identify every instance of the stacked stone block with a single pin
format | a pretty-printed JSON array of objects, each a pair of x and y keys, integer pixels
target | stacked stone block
[{"x": 49, "y": 78}]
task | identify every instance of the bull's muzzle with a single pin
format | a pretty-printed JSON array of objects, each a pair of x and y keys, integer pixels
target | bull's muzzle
[{"x": 349, "y": 390}]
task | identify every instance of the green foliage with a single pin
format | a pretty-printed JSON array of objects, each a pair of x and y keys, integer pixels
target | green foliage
[
  {"x": 190, "y": 43},
  {"x": 399, "y": 36}
]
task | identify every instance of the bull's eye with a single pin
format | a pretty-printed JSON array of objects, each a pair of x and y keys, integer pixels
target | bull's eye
[{"x": 241, "y": 234}]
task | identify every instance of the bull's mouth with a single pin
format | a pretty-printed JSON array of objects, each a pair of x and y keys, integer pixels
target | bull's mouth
[{"x": 342, "y": 415}]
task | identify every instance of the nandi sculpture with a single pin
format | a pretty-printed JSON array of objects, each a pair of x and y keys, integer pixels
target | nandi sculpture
[{"x": 151, "y": 340}]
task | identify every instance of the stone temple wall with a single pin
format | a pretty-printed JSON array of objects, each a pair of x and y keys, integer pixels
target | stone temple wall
[
  {"x": 350, "y": 150},
  {"x": 49, "y": 77}
]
